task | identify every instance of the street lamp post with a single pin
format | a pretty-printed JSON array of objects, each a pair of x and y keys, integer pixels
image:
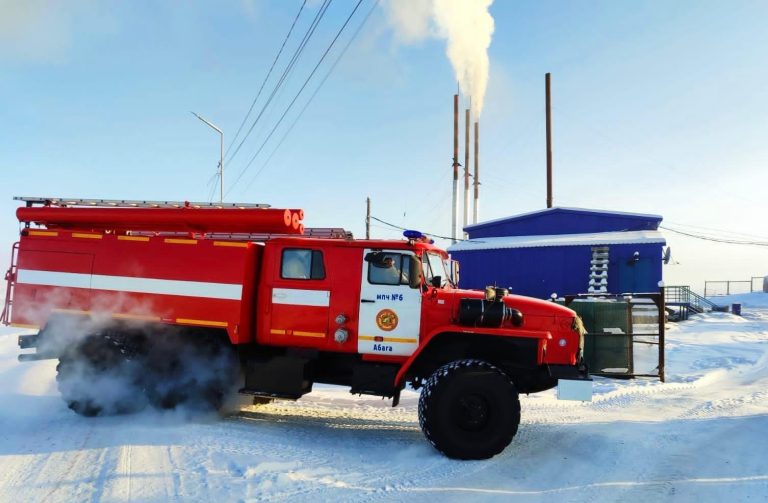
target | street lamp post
[{"x": 221, "y": 161}]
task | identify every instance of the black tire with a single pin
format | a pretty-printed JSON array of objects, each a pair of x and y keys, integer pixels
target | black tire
[
  {"x": 96, "y": 379},
  {"x": 196, "y": 373},
  {"x": 469, "y": 409}
]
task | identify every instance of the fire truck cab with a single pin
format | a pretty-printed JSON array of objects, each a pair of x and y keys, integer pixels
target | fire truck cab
[{"x": 184, "y": 302}]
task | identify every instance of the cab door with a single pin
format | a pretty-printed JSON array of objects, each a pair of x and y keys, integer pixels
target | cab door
[
  {"x": 390, "y": 310},
  {"x": 300, "y": 299}
]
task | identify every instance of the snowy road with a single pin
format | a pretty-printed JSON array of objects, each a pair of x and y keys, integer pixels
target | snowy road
[{"x": 701, "y": 436}]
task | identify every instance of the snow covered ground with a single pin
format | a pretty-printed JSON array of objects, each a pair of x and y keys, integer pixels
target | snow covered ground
[{"x": 701, "y": 436}]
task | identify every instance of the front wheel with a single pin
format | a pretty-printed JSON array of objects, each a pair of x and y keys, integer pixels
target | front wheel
[{"x": 469, "y": 409}]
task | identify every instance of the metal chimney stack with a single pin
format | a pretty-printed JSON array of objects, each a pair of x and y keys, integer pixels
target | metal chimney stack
[
  {"x": 466, "y": 170},
  {"x": 477, "y": 172},
  {"x": 455, "y": 212}
]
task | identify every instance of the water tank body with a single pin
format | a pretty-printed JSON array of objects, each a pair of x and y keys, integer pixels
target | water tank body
[{"x": 167, "y": 219}]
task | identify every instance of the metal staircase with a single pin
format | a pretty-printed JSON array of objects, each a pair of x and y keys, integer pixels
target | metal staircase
[{"x": 689, "y": 301}]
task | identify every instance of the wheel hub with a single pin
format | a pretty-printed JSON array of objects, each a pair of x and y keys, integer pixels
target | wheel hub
[{"x": 472, "y": 412}]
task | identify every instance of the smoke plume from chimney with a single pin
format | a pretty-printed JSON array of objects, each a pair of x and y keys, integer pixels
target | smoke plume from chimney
[{"x": 465, "y": 25}]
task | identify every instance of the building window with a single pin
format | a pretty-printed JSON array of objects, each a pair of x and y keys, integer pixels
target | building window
[{"x": 302, "y": 264}]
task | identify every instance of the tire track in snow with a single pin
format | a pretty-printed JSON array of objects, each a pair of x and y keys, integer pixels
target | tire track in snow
[
  {"x": 70, "y": 463},
  {"x": 314, "y": 476},
  {"x": 107, "y": 460},
  {"x": 314, "y": 432}
]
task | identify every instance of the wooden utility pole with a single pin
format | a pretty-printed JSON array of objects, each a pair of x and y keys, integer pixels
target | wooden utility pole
[
  {"x": 367, "y": 218},
  {"x": 549, "y": 138}
]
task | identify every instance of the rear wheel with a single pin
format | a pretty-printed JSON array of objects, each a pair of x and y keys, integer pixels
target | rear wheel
[
  {"x": 469, "y": 409},
  {"x": 196, "y": 371},
  {"x": 96, "y": 378}
]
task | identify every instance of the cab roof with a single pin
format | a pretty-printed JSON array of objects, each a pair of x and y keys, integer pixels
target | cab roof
[{"x": 392, "y": 244}]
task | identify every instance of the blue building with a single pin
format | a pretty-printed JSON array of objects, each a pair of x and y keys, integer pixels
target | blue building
[{"x": 564, "y": 251}]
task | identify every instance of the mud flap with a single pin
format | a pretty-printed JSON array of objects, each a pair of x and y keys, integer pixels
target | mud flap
[{"x": 573, "y": 389}]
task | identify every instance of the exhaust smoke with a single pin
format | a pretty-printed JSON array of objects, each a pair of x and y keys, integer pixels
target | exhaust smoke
[{"x": 125, "y": 368}]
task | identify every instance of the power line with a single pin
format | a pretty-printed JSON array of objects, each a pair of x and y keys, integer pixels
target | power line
[
  {"x": 717, "y": 240},
  {"x": 721, "y": 232},
  {"x": 427, "y": 233},
  {"x": 264, "y": 82},
  {"x": 697, "y": 236},
  {"x": 330, "y": 46},
  {"x": 212, "y": 184},
  {"x": 306, "y": 105},
  {"x": 286, "y": 72}
]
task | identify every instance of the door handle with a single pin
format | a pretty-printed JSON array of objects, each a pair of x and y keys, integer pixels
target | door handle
[{"x": 367, "y": 300}]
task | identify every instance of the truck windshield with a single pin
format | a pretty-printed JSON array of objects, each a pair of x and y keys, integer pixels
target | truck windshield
[{"x": 433, "y": 266}]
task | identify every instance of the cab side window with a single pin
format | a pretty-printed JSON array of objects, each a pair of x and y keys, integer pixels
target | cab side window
[
  {"x": 302, "y": 264},
  {"x": 388, "y": 269}
]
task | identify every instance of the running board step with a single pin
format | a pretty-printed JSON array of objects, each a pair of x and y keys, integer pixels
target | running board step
[
  {"x": 267, "y": 394},
  {"x": 279, "y": 376}
]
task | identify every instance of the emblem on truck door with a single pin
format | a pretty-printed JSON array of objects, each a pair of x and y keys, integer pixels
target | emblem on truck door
[{"x": 386, "y": 319}]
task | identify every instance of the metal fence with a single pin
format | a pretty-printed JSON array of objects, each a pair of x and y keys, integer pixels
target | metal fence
[
  {"x": 622, "y": 331},
  {"x": 729, "y": 287}
]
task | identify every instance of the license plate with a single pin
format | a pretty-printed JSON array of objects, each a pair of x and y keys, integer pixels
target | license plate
[{"x": 580, "y": 390}]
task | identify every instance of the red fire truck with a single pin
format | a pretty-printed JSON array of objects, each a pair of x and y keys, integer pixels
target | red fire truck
[{"x": 168, "y": 304}]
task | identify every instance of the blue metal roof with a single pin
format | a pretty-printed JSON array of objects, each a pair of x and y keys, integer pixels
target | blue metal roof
[{"x": 554, "y": 221}]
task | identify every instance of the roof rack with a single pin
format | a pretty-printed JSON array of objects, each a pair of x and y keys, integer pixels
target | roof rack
[{"x": 127, "y": 203}]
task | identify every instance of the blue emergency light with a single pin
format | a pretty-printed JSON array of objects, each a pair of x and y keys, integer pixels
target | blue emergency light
[
  {"x": 418, "y": 236},
  {"x": 411, "y": 234}
]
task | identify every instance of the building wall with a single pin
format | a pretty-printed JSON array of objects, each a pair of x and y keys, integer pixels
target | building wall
[{"x": 539, "y": 272}]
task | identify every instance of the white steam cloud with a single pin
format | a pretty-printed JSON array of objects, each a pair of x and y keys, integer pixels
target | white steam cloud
[
  {"x": 466, "y": 26},
  {"x": 112, "y": 366}
]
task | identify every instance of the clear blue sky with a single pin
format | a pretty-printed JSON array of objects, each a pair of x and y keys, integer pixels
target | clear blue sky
[{"x": 659, "y": 107}]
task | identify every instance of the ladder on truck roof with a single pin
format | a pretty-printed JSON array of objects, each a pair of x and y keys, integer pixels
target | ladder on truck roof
[
  {"x": 65, "y": 202},
  {"x": 309, "y": 232}
]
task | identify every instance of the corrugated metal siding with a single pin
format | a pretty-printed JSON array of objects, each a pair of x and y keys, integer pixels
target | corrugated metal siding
[{"x": 539, "y": 272}]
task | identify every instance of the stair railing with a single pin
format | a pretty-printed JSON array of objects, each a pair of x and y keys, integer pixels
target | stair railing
[{"x": 684, "y": 295}]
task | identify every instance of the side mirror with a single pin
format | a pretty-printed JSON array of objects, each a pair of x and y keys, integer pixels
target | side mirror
[
  {"x": 455, "y": 273},
  {"x": 437, "y": 281},
  {"x": 414, "y": 278}
]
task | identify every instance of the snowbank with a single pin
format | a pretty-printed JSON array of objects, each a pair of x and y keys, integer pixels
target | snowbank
[{"x": 755, "y": 299}]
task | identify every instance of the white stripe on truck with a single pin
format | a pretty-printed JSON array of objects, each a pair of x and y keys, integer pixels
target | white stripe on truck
[{"x": 130, "y": 284}]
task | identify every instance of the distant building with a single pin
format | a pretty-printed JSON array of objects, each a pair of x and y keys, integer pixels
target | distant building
[{"x": 563, "y": 251}]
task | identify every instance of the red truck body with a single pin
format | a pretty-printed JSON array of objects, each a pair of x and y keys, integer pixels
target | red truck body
[{"x": 332, "y": 321}]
